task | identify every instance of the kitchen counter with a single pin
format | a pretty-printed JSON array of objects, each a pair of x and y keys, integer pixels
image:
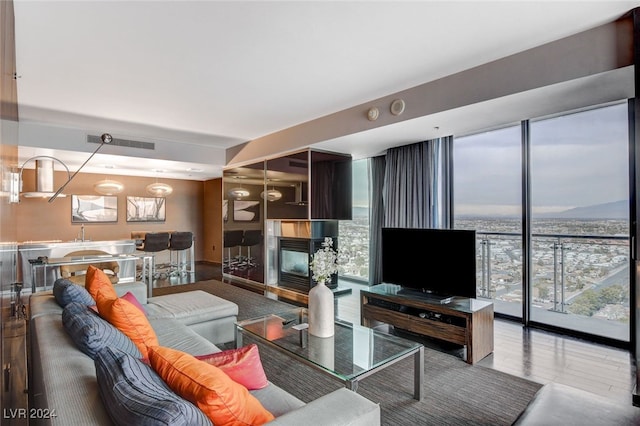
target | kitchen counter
[{"x": 55, "y": 249}]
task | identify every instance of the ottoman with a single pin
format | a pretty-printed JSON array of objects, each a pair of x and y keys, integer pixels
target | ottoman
[{"x": 210, "y": 316}]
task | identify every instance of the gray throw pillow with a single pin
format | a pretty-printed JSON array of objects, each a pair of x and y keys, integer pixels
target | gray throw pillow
[
  {"x": 66, "y": 292},
  {"x": 91, "y": 333},
  {"x": 134, "y": 394}
]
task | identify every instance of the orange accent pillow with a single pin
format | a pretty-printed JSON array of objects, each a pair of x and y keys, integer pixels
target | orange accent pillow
[
  {"x": 133, "y": 323},
  {"x": 224, "y": 401},
  {"x": 98, "y": 284},
  {"x": 243, "y": 365}
]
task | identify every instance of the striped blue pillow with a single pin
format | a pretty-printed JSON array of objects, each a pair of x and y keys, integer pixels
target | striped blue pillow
[
  {"x": 66, "y": 292},
  {"x": 91, "y": 333},
  {"x": 135, "y": 395}
]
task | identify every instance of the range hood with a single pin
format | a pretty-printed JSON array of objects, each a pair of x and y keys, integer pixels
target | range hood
[{"x": 44, "y": 180}]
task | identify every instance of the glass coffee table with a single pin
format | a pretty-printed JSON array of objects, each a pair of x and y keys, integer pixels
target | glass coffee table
[{"x": 352, "y": 354}]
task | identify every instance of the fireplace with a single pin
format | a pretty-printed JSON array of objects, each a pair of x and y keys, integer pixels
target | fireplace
[{"x": 295, "y": 249}]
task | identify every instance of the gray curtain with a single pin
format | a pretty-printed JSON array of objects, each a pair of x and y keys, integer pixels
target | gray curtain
[
  {"x": 376, "y": 217},
  {"x": 411, "y": 187},
  {"x": 418, "y": 185}
]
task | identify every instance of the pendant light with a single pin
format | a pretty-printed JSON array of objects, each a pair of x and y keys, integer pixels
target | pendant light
[
  {"x": 108, "y": 187},
  {"x": 238, "y": 193},
  {"x": 159, "y": 189},
  {"x": 271, "y": 195}
]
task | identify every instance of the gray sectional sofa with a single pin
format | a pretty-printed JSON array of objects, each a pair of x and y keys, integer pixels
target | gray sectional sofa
[{"x": 62, "y": 379}]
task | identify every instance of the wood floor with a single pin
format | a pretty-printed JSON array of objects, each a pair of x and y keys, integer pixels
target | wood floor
[
  {"x": 536, "y": 355},
  {"x": 543, "y": 356}
]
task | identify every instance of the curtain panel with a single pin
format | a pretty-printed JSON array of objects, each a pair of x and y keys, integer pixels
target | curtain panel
[
  {"x": 411, "y": 187},
  {"x": 376, "y": 217}
]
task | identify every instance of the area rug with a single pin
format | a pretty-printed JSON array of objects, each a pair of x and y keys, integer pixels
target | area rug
[{"x": 455, "y": 393}]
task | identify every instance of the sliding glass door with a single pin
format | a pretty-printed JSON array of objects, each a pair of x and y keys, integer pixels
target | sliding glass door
[
  {"x": 580, "y": 222},
  {"x": 578, "y": 193},
  {"x": 487, "y": 198}
]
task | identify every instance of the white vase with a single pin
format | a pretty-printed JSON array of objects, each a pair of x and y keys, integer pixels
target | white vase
[{"x": 321, "y": 313}]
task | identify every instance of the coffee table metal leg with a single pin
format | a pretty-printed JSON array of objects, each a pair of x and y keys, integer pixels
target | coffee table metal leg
[
  {"x": 352, "y": 385},
  {"x": 238, "y": 338},
  {"x": 418, "y": 371}
]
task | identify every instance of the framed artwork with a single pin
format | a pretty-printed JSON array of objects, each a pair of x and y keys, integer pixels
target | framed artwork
[
  {"x": 246, "y": 211},
  {"x": 94, "y": 208},
  {"x": 146, "y": 209}
]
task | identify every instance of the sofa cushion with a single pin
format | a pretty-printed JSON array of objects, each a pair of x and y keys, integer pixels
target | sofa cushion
[
  {"x": 558, "y": 404},
  {"x": 97, "y": 282},
  {"x": 209, "y": 388},
  {"x": 243, "y": 365},
  {"x": 66, "y": 292},
  {"x": 92, "y": 333},
  {"x": 192, "y": 307},
  {"x": 176, "y": 335},
  {"x": 135, "y": 395},
  {"x": 128, "y": 319}
]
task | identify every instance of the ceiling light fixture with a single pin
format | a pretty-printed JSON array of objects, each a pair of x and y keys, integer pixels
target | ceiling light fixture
[
  {"x": 271, "y": 195},
  {"x": 108, "y": 187},
  {"x": 159, "y": 189},
  {"x": 238, "y": 193}
]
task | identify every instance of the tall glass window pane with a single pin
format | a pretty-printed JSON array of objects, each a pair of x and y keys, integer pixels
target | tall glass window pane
[
  {"x": 354, "y": 234},
  {"x": 487, "y": 198},
  {"x": 580, "y": 223}
]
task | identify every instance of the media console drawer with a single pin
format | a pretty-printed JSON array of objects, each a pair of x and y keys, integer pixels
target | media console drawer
[{"x": 467, "y": 322}]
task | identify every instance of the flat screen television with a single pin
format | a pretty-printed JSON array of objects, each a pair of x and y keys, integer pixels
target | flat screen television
[{"x": 437, "y": 262}]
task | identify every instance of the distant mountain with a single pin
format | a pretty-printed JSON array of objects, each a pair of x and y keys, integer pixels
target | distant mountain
[{"x": 613, "y": 210}]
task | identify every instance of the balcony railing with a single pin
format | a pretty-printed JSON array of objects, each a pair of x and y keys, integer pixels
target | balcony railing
[{"x": 567, "y": 270}]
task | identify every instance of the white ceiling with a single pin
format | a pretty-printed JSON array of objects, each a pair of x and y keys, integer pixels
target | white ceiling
[{"x": 216, "y": 74}]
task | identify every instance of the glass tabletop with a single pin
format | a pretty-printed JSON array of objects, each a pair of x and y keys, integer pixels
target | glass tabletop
[{"x": 353, "y": 351}]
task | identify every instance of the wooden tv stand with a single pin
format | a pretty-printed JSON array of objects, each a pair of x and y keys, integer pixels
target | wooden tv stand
[{"x": 463, "y": 321}]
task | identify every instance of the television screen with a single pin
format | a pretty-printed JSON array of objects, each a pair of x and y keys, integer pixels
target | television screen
[{"x": 441, "y": 262}]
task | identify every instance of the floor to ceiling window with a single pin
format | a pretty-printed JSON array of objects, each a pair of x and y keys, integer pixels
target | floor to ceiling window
[
  {"x": 354, "y": 234},
  {"x": 579, "y": 218},
  {"x": 487, "y": 198},
  {"x": 580, "y": 221}
]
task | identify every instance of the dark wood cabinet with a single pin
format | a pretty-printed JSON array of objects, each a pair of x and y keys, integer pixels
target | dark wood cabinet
[{"x": 463, "y": 321}]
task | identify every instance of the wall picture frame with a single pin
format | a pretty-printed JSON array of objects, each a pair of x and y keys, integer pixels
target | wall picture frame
[
  {"x": 146, "y": 209},
  {"x": 246, "y": 211},
  {"x": 94, "y": 209}
]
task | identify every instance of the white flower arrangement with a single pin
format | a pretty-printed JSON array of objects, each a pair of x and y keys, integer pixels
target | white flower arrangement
[{"x": 324, "y": 262}]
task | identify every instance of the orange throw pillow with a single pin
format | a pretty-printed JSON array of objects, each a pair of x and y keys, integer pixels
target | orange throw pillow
[
  {"x": 243, "y": 365},
  {"x": 98, "y": 284},
  {"x": 127, "y": 318},
  {"x": 224, "y": 401}
]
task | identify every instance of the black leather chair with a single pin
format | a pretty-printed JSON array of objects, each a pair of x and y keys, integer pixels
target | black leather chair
[
  {"x": 250, "y": 238},
  {"x": 154, "y": 242},
  {"x": 232, "y": 239},
  {"x": 178, "y": 242}
]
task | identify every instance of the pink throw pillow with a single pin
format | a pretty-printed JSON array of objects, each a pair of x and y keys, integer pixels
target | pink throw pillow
[
  {"x": 131, "y": 298},
  {"x": 242, "y": 365}
]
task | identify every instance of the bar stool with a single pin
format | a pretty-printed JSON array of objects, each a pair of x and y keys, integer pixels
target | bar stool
[
  {"x": 76, "y": 273},
  {"x": 178, "y": 242},
  {"x": 154, "y": 242},
  {"x": 231, "y": 239},
  {"x": 250, "y": 238}
]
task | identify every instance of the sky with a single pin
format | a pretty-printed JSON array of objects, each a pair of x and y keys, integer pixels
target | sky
[{"x": 578, "y": 159}]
